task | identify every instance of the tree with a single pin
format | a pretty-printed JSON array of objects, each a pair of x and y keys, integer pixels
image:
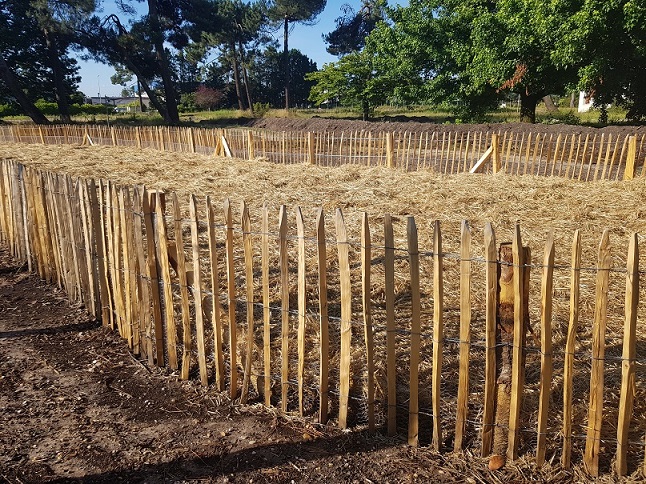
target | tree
[
  {"x": 35, "y": 38},
  {"x": 472, "y": 51},
  {"x": 352, "y": 80},
  {"x": 208, "y": 98},
  {"x": 607, "y": 41},
  {"x": 266, "y": 76},
  {"x": 290, "y": 11},
  {"x": 353, "y": 27},
  {"x": 57, "y": 21}
]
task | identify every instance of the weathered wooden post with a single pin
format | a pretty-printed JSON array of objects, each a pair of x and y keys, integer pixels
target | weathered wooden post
[
  {"x": 390, "y": 150},
  {"x": 495, "y": 154},
  {"x": 507, "y": 315},
  {"x": 251, "y": 150},
  {"x": 629, "y": 173},
  {"x": 311, "y": 148}
]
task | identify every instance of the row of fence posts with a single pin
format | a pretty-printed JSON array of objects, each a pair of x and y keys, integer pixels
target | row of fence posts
[
  {"x": 88, "y": 238},
  {"x": 160, "y": 137}
]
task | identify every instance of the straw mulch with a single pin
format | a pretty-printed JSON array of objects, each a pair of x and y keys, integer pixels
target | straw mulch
[{"x": 540, "y": 205}]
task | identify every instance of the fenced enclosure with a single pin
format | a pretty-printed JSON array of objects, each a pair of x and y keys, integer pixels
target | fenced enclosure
[
  {"x": 385, "y": 323},
  {"x": 574, "y": 156}
]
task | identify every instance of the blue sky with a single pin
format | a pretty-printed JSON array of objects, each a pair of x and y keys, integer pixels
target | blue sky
[{"x": 95, "y": 77}]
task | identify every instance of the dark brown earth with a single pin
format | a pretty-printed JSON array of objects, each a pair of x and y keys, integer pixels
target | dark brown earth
[
  {"x": 76, "y": 406},
  {"x": 413, "y": 124}
]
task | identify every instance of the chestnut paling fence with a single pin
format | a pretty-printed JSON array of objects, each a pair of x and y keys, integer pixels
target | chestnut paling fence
[
  {"x": 575, "y": 156},
  {"x": 341, "y": 321}
]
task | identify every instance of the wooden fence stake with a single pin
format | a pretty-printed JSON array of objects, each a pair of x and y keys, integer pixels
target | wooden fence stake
[
  {"x": 495, "y": 155},
  {"x": 284, "y": 301},
  {"x": 248, "y": 258},
  {"x": 197, "y": 293},
  {"x": 216, "y": 308},
  {"x": 183, "y": 289},
  {"x": 628, "y": 356},
  {"x": 415, "y": 338},
  {"x": 231, "y": 301},
  {"x": 570, "y": 346},
  {"x": 323, "y": 317},
  {"x": 465, "y": 335},
  {"x": 367, "y": 318},
  {"x": 595, "y": 413},
  {"x": 629, "y": 173},
  {"x": 343, "y": 249},
  {"x": 438, "y": 333},
  {"x": 390, "y": 150},
  {"x": 491, "y": 281},
  {"x": 391, "y": 363},
  {"x": 520, "y": 328},
  {"x": 546, "y": 349},
  {"x": 311, "y": 148},
  {"x": 266, "y": 310},
  {"x": 169, "y": 311},
  {"x": 302, "y": 305},
  {"x": 250, "y": 146}
]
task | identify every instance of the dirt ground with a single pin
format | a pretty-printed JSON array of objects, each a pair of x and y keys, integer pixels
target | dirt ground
[
  {"x": 421, "y": 124},
  {"x": 76, "y": 406}
]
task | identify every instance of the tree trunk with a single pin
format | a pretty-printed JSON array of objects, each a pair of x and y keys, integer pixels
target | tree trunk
[
  {"x": 13, "y": 83},
  {"x": 573, "y": 100},
  {"x": 245, "y": 78},
  {"x": 549, "y": 104},
  {"x": 154, "y": 99},
  {"x": 59, "y": 77},
  {"x": 286, "y": 61},
  {"x": 162, "y": 60},
  {"x": 236, "y": 76},
  {"x": 141, "y": 101},
  {"x": 365, "y": 110},
  {"x": 528, "y": 104}
]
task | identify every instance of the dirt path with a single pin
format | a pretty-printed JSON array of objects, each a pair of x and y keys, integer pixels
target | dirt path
[{"x": 77, "y": 407}]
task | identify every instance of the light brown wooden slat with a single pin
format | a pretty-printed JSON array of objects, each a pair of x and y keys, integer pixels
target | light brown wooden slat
[
  {"x": 183, "y": 289},
  {"x": 323, "y": 317},
  {"x": 547, "y": 285},
  {"x": 628, "y": 355},
  {"x": 231, "y": 301},
  {"x": 438, "y": 334},
  {"x": 595, "y": 409},
  {"x": 284, "y": 301},
  {"x": 465, "y": 335},
  {"x": 216, "y": 307},
  {"x": 343, "y": 249},
  {"x": 266, "y": 311},
  {"x": 247, "y": 242},
  {"x": 302, "y": 306},
  {"x": 367, "y": 318},
  {"x": 570, "y": 346},
  {"x": 415, "y": 338},
  {"x": 517, "y": 383},
  {"x": 197, "y": 293},
  {"x": 491, "y": 281}
]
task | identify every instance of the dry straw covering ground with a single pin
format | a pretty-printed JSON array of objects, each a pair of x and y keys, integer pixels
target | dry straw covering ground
[{"x": 540, "y": 205}]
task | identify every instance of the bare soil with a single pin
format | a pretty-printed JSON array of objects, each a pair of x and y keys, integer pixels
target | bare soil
[
  {"x": 76, "y": 406},
  {"x": 421, "y": 124}
]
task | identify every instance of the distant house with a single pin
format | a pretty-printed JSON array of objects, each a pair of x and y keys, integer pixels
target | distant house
[
  {"x": 122, "y": 104},
  {"x": 585, "y": 102}
]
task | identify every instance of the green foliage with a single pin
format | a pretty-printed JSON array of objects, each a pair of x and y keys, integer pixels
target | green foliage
[{"x": 260, "y": 109}]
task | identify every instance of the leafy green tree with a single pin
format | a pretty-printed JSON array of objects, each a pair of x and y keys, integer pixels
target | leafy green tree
[
  {"x": 467, "y": 53},
  {"x": 353, "y": 80},
  {"x": 288, "y": 12},
  {"x": 607, "y": 40},
  {"x": 353, "y": 27}
]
